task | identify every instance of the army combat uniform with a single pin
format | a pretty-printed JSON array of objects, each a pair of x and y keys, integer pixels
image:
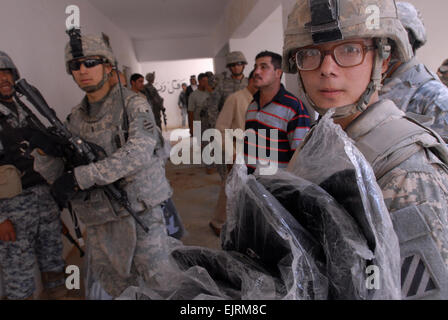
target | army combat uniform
[
  {"x": 409, "y": 160},
  {"x": 442, "y": 72},
  {"x": 155, "y": 100},
  {"x": 119, "y": 250},
  {"x": 226, "y": 86},
  {"x": 414, "y": 89}
]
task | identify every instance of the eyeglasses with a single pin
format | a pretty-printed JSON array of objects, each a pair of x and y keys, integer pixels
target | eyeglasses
[
  {"x": 348, "y": 54},
  {"x": 75, "y": 65}
]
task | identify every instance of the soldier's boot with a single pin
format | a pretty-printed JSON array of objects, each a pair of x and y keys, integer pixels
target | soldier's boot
[{"x": 54, "y": 286}]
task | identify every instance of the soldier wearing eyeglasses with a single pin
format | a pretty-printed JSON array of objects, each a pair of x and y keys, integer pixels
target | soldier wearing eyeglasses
[
  {"x": 340, "y": 63},
  {"x": 119, "y": 250}
]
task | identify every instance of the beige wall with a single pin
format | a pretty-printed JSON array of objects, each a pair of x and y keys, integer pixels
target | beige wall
[
  {"x": 32, "y": 32},
  {"x": 436, "y": 23}
]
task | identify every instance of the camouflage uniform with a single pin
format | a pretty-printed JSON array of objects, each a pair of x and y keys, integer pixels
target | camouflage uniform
[
  {"x": 118, "y": 250},
  {"x": 226, "y": 86},
  {"x": 412, "y": 87},
  {"x": 155, "y": 100},
  {"x": 35, "y": 217},
  {"x": 116, "y": 261},
  {"x": 417, "y": 90},
  {"x": 409, "y": 160},
  {"x": 33, "y": 213},
  {"x": 421, "y": 179},
  {"x": 442, "y": 72}
]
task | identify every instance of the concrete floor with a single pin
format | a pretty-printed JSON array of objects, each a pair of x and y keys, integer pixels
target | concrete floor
[{"x": 195, "y": 197}]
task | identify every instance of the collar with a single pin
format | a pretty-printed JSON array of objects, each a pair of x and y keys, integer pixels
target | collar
[
  {"x": 375, "y": 114},
  {"x": 85, "y": 105},
  {"x": 404, "y": 67},
  {"x": 276, "y": 98}
]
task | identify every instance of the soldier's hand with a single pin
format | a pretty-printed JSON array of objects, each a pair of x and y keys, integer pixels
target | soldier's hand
[{"x": 7, "y": 232}]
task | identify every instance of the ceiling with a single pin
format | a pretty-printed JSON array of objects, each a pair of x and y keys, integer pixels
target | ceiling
[{"x": 163, "y": 19}]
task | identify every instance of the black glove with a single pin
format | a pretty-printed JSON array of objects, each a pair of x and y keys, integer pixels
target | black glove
[
  {"x": 48, "y": 143},
  {"x": 64, "y": 189}
]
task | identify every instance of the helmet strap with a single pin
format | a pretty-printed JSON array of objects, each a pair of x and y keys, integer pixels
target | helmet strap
[
  {"x": 90, "y": 89},
  {"x": 382, "y": 52}
]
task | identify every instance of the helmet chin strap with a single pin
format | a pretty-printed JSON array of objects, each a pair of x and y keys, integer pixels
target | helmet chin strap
[
  {"x": 90, "y": 89},
  {"x": 382, "y": 53}
]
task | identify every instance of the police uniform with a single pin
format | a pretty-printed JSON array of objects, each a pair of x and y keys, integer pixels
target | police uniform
[{"x": 36, "y": 220}]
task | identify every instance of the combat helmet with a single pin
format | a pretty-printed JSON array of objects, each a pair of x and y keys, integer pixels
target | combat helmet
[
  {"x": 150, "y": 77},
  {"x": 235, "y": 57},
  {"x": 6, "y": 63},
  {"x": 313, "y": 22},
  {"x": 86, "y": 46},
  {"x": 412, "y": 21}
]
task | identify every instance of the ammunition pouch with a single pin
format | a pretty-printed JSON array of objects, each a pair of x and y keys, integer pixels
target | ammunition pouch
[{"x": 95, "y": 208}]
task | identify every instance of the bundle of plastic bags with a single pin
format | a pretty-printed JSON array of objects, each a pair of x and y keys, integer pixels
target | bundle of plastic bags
[{"x": 319, "y": 231}]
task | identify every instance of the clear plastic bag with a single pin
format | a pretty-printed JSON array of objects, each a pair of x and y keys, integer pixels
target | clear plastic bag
[{"x": 330, "y": 159}]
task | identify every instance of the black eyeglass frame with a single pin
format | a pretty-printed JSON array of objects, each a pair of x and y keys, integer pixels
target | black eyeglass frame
[
  {"x": 323, "y": 53},
  {"x": 75, "y": 64}
]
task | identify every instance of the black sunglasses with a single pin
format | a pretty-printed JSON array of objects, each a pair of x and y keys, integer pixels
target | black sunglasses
[{"x": 75, "y": 65}]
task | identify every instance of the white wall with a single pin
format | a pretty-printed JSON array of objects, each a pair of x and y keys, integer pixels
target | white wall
[
  {"x": 33, "y": 34},
  {"x": 178, "y": 71},
  {"x": 173, "y": 49},
  {"x": 267, "y": 36}
]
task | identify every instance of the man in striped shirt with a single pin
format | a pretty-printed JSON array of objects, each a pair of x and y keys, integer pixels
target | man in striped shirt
[{"x": 276, "y": 118}]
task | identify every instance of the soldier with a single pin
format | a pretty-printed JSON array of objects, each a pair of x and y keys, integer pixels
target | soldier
[
  {"x": 236, "y": 62},
  {"x": 155, "y": 100},
  {"x": 30, "y": 227},
  {"x": 182, "y": 103},
  {"x": 411, "y": 86},
  {"x": 137, "y": 86},
  {"x": 443, "y": 72},
  {"x": 340, "y": 62},
  {"x": 119, "y": 250}
]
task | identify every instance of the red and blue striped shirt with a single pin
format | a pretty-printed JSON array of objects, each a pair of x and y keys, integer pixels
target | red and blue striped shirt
[{"x": 279, "y": 128}]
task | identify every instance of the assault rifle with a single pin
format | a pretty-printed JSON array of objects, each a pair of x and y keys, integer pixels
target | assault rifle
[
  {"x": 84, "y": 152},
  {"x": 164, "y": 117}
]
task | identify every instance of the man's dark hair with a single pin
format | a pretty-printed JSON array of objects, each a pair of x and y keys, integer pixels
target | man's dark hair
[
  {"x": 201, "y": 75},
  {"x": 135, "y": 77},
  {"x": 276, "y": 59},
  {"x": 251, "y": 74}
]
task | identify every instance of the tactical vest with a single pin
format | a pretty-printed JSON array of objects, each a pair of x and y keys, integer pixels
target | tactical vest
[
  {"x": 402, "y": 87},
  {"x": 105, "y": 129},
  {"x": 424, "y": 273}
]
